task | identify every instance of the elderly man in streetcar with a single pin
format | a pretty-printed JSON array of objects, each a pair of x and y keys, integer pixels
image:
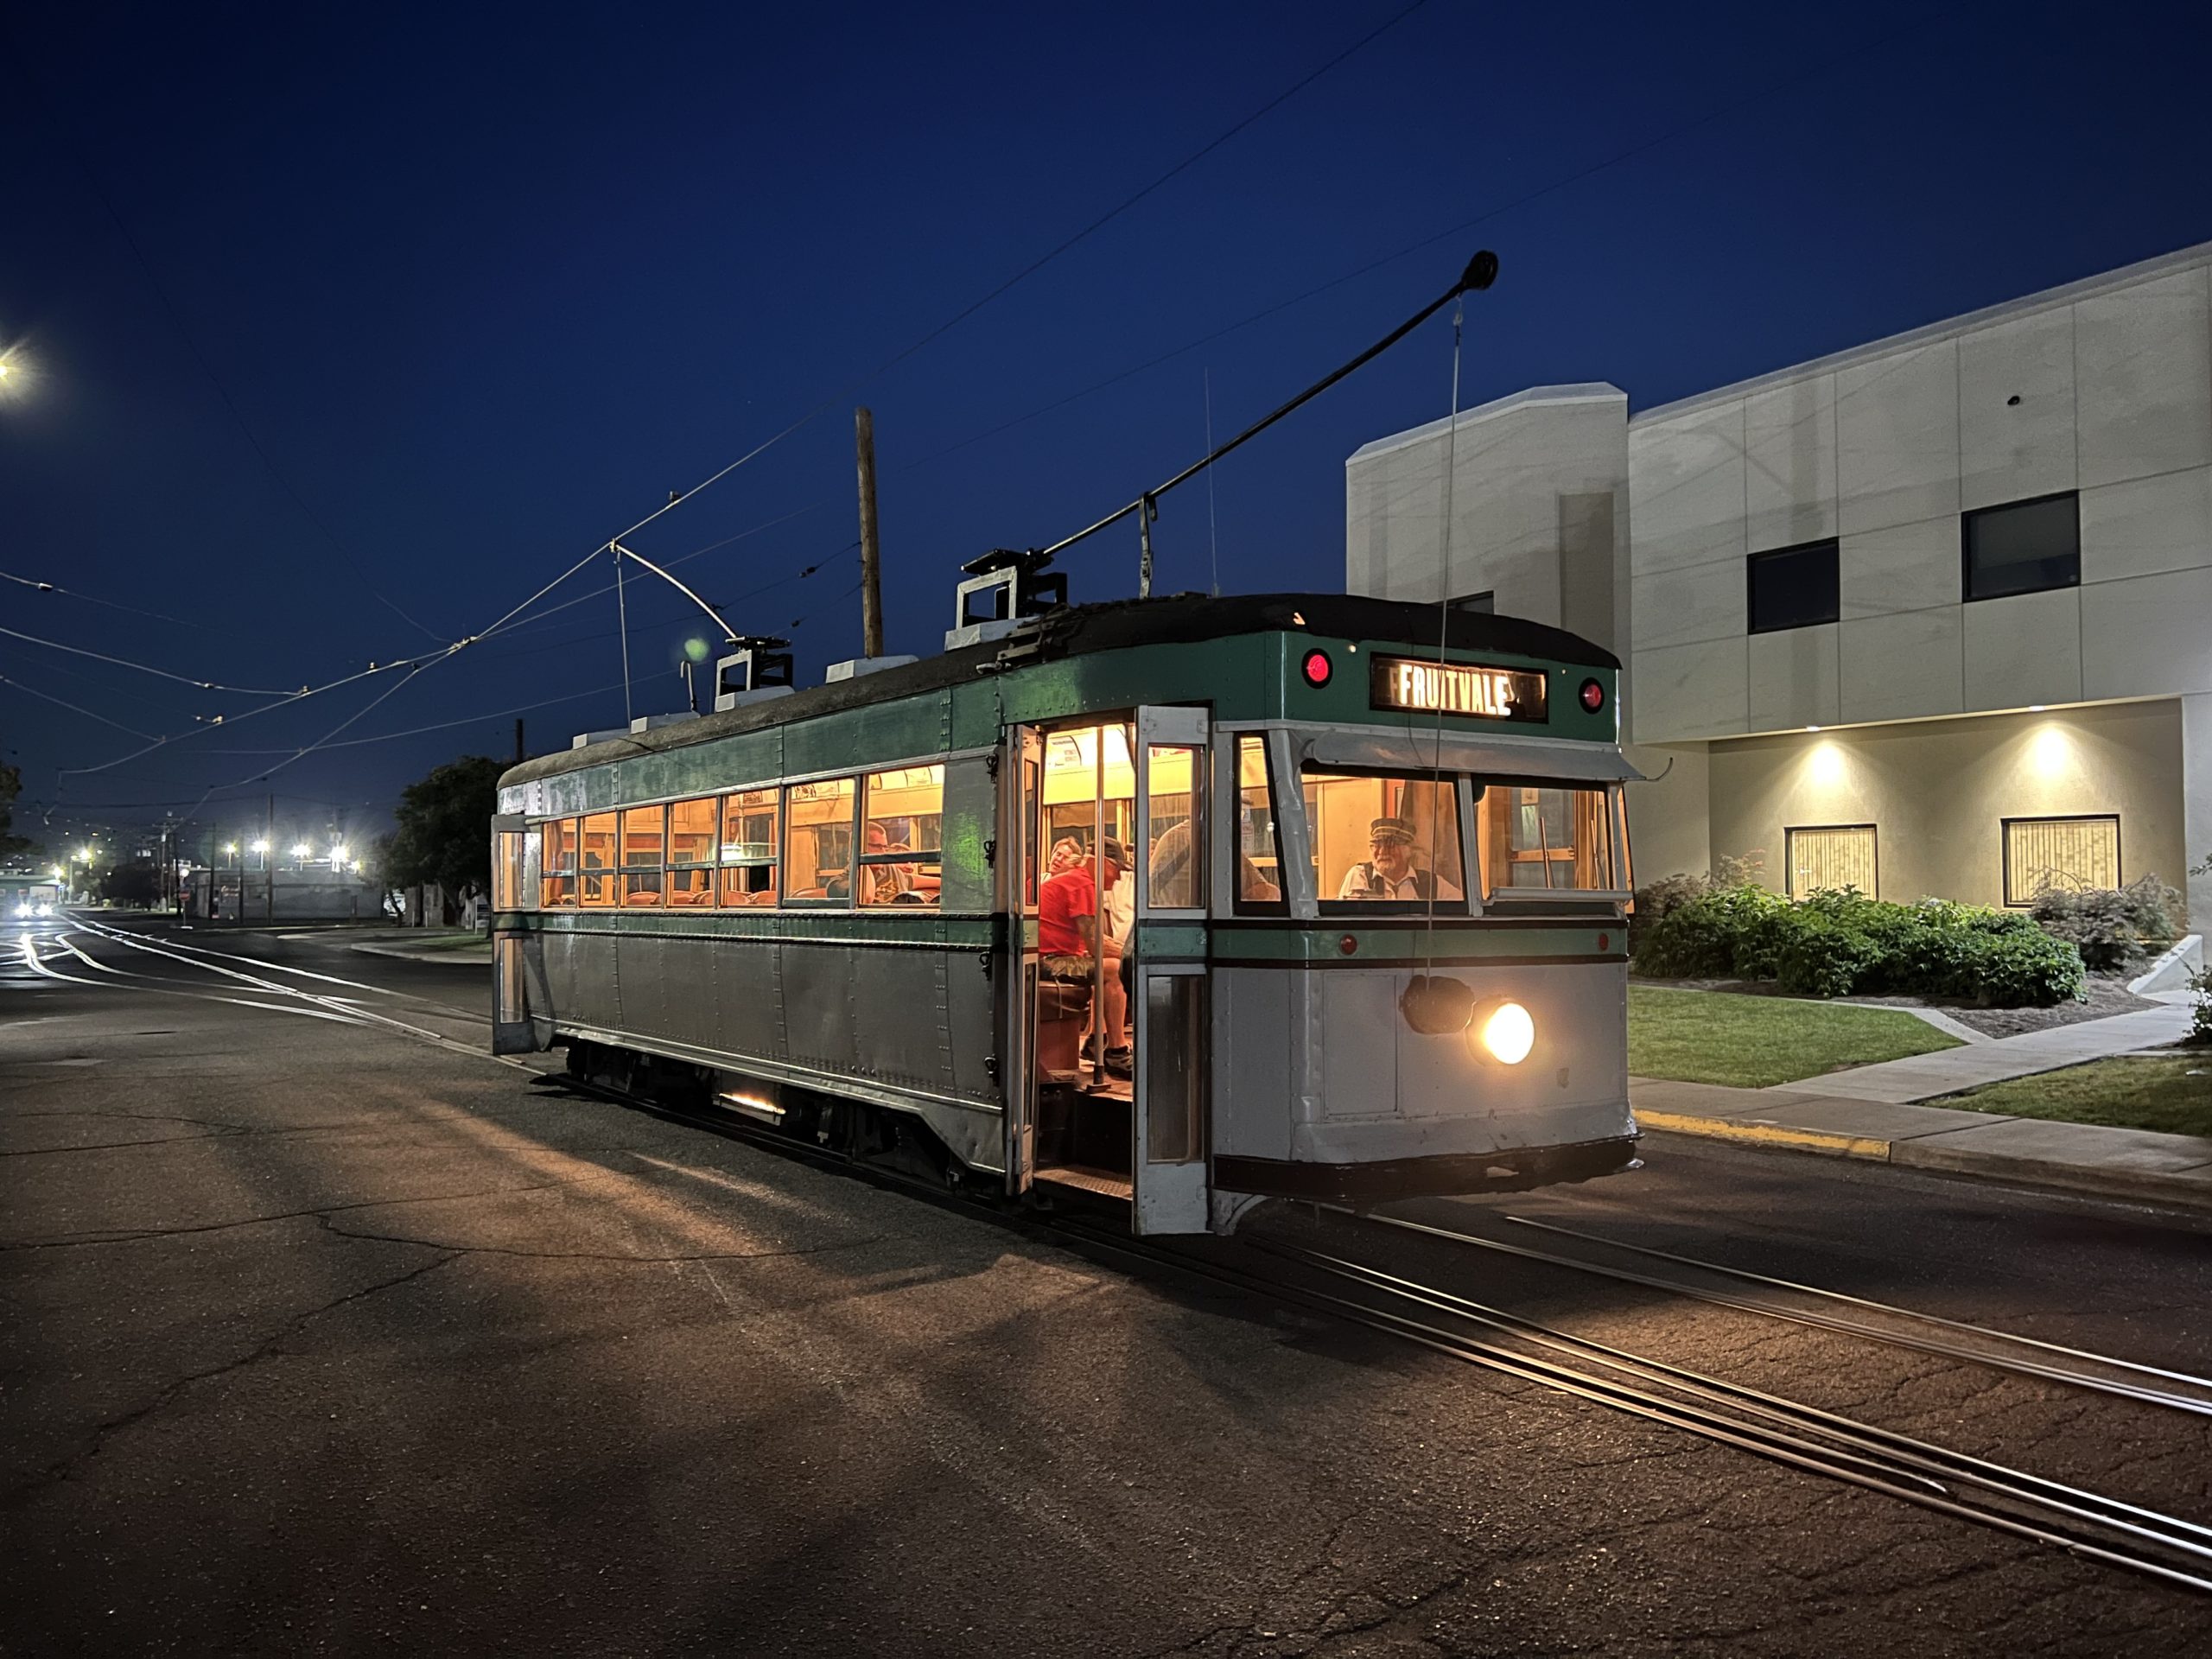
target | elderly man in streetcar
[{"x": 1388, "y": 872}]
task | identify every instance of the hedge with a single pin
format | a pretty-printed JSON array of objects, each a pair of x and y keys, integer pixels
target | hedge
[{"x": 1845, "y": 944}]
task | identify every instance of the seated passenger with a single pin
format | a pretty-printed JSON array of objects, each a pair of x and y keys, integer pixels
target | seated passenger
[
  {"x": 1388, "y": 872},
  {"x": 883, "y": 883},
  {"x": 1068, "y": 941}
]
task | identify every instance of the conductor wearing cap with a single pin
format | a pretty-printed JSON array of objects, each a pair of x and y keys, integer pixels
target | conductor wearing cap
[{"x": 1388, "y": 872}]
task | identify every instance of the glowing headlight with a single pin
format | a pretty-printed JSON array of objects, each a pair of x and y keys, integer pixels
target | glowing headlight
[{"x": 1507, "y": 1031}]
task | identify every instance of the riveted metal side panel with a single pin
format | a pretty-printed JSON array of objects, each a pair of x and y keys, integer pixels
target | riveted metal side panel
[
  {"x": 970, "y": 820},
  {"x": 898, "y": 1017},
  {"x": 818, "y": 1007},
  {"x": 1256, "y": 1051}
]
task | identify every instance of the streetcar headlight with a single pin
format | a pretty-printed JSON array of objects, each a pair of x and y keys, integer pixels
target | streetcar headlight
[{"x": 1505, "y": 1032}]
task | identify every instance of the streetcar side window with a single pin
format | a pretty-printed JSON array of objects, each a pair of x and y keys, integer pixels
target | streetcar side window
[
  {"x": 1175, "y": 863},
  {"x": 1259, "y": 864},
  {"x": 691, "y": 852},
  {"x": 644, "y": 846},
  {"x": 596, "y": 876},
  {"x": 902, "y": 826},
  {"x": 1546, "y": 839},
  {"x": 556, "y": 864},
  {"x": 749, "y": 846},
  {"x": 818, "y": 844}
]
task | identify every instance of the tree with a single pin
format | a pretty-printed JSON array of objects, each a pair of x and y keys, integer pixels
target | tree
[
  {"x": 135, "y": 883},
  {"x": 444, "y": 832},
  {"x": 11, "y": 785}
]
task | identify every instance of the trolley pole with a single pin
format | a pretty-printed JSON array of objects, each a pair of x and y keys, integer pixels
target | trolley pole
[
  {"x": 1148, "y": 510},
  {"x": 871, "y": 551}
]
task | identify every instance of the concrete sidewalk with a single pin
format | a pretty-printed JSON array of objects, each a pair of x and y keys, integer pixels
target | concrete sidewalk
[
  {"x": 1953, "y": 1070},
  {"x": 2128, "y": 1163}
]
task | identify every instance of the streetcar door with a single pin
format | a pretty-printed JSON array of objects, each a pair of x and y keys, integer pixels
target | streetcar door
[
  {"x": 1169, "y": 1011},
  {"x": 1021, "y": 799},
  {"x": 513, "y": 882}
]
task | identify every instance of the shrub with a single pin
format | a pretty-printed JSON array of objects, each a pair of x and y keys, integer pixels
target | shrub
[
  {"x": 2113, "y": 927},
  {"x": 1843, "y": 942},
  {"x": 2200, "y": 1028},
  {"x": 1728, "y": 933},
  {"x": 1656, "y": 901},
  {"x": 1819, "y": 958}
]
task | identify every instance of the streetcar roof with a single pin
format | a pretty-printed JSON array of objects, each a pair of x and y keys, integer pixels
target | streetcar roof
[{"x": 1182, "y": 618}]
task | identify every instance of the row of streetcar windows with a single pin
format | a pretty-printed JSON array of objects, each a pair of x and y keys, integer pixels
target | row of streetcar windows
[{"x": 876, "y": 839}]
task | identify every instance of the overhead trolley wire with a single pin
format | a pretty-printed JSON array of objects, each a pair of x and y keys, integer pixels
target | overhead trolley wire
[
  {"x": 91, "y": 599},
  {"x": 47, "y": 697}
]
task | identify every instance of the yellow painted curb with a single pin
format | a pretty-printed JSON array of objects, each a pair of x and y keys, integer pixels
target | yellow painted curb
[{"x": 1756, "y": 1133}]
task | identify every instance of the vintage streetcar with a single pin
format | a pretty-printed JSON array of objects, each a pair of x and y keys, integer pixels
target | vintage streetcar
[{"x": 1184, "y": 902}]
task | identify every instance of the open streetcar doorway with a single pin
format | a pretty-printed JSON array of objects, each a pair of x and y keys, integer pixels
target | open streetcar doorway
[{"x": 1110, "y": 1039}]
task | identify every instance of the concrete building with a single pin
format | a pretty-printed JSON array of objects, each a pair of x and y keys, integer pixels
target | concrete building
[{"x": 1933, "y": 615}]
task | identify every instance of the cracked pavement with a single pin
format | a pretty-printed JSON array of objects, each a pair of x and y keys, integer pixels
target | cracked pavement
[{"x": 319, "y": 1338}]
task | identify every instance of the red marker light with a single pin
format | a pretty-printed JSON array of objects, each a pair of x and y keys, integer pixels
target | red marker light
[
  {"x": 1593, "y": 696},
  {"x": 1348, "y": 944},
  {"x": 1318, "y": 669}
]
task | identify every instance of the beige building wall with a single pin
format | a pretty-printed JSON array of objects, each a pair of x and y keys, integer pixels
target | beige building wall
[{"x": 1938, "y": 789}]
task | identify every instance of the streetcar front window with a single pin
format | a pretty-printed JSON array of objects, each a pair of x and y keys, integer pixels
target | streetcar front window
[
  {"x": 1259, "y": 866},
  {"x": 1546, "y": 839},
  {"x": 1385, "y": 841}
]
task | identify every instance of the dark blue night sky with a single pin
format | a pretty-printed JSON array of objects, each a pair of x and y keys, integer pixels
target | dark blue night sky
[{"x": 310, "y": 304}]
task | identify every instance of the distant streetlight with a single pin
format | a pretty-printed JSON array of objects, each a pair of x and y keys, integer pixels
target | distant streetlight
[
  {"x": 302, "y": 851},
  {"x": 231, "y": 849},
  {"x": 338, "y": 853},
  {"x": 260, "y": 846}
]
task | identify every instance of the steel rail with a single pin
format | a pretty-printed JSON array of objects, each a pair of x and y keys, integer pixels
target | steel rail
[
  {"x": 1863, "y": 1301},
  {"x": 1936, "y": 1461},
  {"x": 1819, "y": 1321},
  {"x": 1777, "y": 1447}
]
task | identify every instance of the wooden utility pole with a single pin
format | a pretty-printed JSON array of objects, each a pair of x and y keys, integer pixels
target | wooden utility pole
[
  {"x": 519, "y": 756},
  {"x": 871, "y": 552}
]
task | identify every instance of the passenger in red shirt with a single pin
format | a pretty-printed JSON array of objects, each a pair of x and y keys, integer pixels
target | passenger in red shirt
[{"x": 1067, "y": 929}]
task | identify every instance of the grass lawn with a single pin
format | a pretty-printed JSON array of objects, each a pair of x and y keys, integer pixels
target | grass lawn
[
  {"x": 1753, "y": 1041},
  {"x": 2173, "y": 1096}
]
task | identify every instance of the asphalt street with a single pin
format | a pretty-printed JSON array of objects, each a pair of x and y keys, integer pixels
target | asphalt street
[{"x": 323, "y": 1331}]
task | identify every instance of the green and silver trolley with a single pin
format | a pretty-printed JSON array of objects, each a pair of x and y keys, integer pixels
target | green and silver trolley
[{"x": 1346, "y": 881}]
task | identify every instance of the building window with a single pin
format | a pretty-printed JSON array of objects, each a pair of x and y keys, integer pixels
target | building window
[
  {"x": 2023, "y": 547},
  {"x": 1792, "y": 588},
  {"x": 1830, "y": 857},
  {"x": 1481, "y": 604},
  {"x": 2068, "y": 853}
]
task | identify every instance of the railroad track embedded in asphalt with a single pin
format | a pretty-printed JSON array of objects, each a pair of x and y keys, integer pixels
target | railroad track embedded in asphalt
[{"x": 2087, "y": 1524}]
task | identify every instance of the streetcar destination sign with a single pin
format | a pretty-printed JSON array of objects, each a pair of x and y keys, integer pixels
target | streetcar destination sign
[{"x": 1465, "y": 688}]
